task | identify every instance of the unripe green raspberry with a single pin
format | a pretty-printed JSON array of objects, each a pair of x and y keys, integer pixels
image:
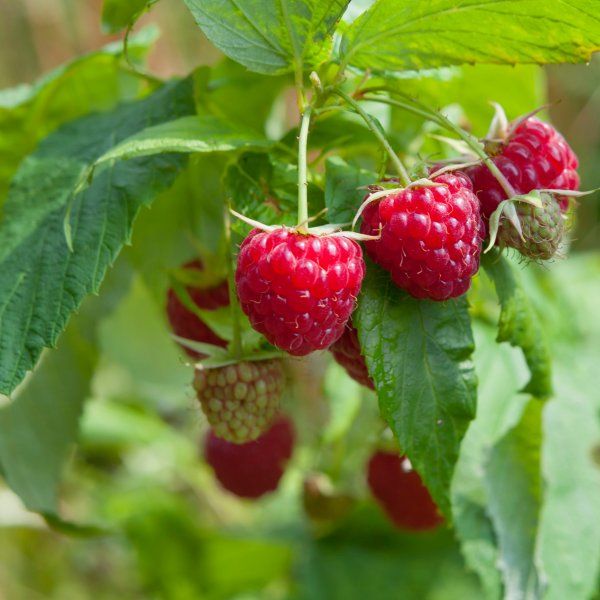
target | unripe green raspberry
[
  {"x": 543, "y": 229},
  {"x": 240, "y": 401}
]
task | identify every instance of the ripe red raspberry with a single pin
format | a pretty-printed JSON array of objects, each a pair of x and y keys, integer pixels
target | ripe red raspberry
[
  {"x": 534, "y": 157},
  {"x": 240, "y": 401},
  {"x": 348, "y": 354},
  {"x": 299, "y": 290},
  {"x": 399, "y": 491},
  {"x": 430, "y": 237},
  {"x": 255, "y": 468},
  {"x": 185, "y": 323}
]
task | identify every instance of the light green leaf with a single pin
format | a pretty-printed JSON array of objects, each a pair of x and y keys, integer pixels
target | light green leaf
[
  {"x": 501, "y": 374},
  {"x": 118, "y": 14},
  {"x": 345, "y": 189},
  {"x": 412, "y": 34},
  {"x": 269, "y": 37},
  {"x": 419, "y": 356},
  {"x": 519, "y": 324},
  {"x": 93, "y": 82},
  {"x": 42, "y": 282},
  {"x": 514, "y": 488}
]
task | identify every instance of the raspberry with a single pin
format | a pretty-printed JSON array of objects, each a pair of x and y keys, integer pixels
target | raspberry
[
  {"x": 542, "y": 229},
  {"x": 399, "y": 491},
  {"x": 240, "y": 401},
  {"x": 430, "y": 237},
  {"x": 252, "y": 469},
  {"x": 299, "y": 290},
  {"x": 185, "y": 323},
  {"x": 534, "y": 157},
  {"x": 348, "y": 354}
]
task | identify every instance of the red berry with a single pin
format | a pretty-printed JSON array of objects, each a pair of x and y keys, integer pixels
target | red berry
[
  {"x": 430, "y": 237},
  {"x": 255, "y": 468},
  {"x": 348, "y": 354},
  {"x": 534, "y": 157},
  {"x": 400, "y": 492},
  {"x": 299, "y": 290},
  {"x": 240, "y": 401},
  {"x": 185, "y": 323}
]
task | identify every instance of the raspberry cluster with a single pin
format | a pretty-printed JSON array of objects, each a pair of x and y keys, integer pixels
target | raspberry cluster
[
  {"x": 401, "y": 493},
  {"x": 430, "y": 237},
  {"x": 535, "y": 156},
  {"x": 186, "y": 324},
  {"x": 298, "y": 289},
  {"x": 347, "y": 352},
  {"x": 252, "y": 469},
  {"x": 240, "y": 401}
]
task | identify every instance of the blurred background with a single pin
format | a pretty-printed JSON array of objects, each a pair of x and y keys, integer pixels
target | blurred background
[{"x": 171, "y": 532}]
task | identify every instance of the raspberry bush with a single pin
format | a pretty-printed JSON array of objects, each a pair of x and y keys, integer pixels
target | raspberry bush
[{"x": 359, "y": 269}]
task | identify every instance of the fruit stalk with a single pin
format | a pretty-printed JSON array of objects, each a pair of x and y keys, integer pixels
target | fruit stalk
[{"x": 302, "y": 170}]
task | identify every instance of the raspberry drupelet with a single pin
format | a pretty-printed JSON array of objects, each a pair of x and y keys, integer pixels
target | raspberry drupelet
[
  {"x": 299, "y": 289},
  {"x": 348, "y": 354},
  {"x": 430, "y": 237}
]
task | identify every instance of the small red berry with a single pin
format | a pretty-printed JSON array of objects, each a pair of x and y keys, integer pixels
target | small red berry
[
  {"x": 348, "y": 354},
  {"x": 255, "y": 468},
  {"x": 185, "y": 323},
  {"x": 401, "y": 493},
  {"x": 534, "y": 157},
  {"x": 299, "y": 290},
  {"x": 430, "y": 237},
  {"x": 240, "y": 401}
]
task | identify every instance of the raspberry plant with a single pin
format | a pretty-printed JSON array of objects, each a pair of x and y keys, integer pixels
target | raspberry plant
[{"x": 326, "y": 129}]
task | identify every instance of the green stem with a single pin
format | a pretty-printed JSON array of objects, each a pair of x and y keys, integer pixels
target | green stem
[
  {"x": 236, "y": 342},
  {"x": 400, "y": 169},
  {"x": 302, "y": 169},
  {"x": 418, "y": 109}
]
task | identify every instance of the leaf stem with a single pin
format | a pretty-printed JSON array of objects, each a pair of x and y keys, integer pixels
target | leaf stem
[
  {"x": 417, "y": 108},
  {"x": 236, "y": 341},
  {"x": 302, "y": 169},
  {"x": 372, "y": 125}
]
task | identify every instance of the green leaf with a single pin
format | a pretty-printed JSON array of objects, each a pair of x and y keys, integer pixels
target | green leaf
[
  {"x": 419, "y": 355},
  {"x": 38, "y": 428},
  {"x": 269, "y": 37},
  {"x": 190, "y": 134},
  {"x": 568, "y": 541},
  {"x": 344, "y": 189},
  {"x": 118, "y": 14},
  {"x": 514, "y": 488},
  {"x": 501, "y": 374},
  {"x": 411, "y": 34},
  {"x": 93, "y": 82},
  {"x": 42, "y": 281},
  {"x": 266, "y": 189},
  {"x": 519, "y": 324}
]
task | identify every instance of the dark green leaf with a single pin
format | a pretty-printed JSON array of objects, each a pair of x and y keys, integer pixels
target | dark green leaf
[
  {"x": 42, "y": 281},
  {"x": 269, "y": 37},
  {"x": 514, "y": 488},
  {"x": 519, "y": 324},
  {"x": 419, "y": 355},
  {"x": 93, "y": 82},
  {"x": 344, "y": 189},
  {"x": 190, "y": 134},
  {"x": 412, "y": 34}
]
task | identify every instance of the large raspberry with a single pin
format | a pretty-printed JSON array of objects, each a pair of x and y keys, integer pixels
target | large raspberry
[
  {"x": 299, "y": 289},
  {"x": 347, "y": 352},
  {"x": 400, "y": 492},
  {"x": 534, "y": 157},
  {"x": 542, "y": 229},
  {"x": 430, "y": 237},
  {"x": 240, "y": 401},
  {"x": 185, "y": 323},
  {"x": 255, "y": 468}
]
